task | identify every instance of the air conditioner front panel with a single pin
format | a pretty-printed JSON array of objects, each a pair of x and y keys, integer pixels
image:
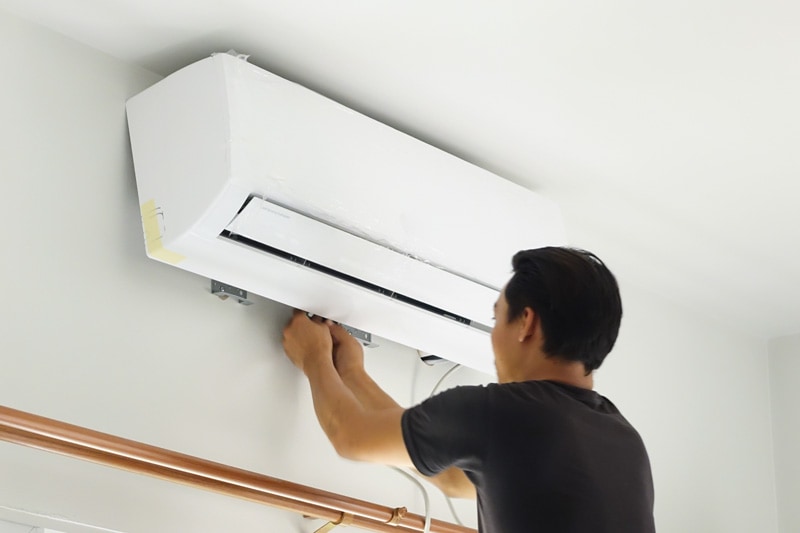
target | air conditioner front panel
[
  {"x": 320, "y": 158},
  {"x": 298, "y": 287}
]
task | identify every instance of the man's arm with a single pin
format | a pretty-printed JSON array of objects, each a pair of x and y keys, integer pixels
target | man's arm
[
  {"x": 453, "y": 481},
  {"x": 355, "y": 431},
  {"x": 361, "y": 421}
]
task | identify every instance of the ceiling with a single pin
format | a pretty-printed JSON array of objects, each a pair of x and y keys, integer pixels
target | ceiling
[{"x": 668, "y": 132}]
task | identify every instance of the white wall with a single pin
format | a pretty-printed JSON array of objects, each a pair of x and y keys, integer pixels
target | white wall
[
  {"x": 784, "y": 357},
  {"x": 699, "y": 394},
  {"x": 12, "y": 527},
  {"x": 96, "y": 334}
]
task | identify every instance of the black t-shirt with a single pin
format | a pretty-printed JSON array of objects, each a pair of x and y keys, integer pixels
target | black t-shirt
[{"x": 544, "y": 457}]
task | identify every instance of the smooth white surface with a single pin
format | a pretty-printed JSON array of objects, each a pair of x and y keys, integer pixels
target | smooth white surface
[
  {"x": 291, "y": 232},
  {"x": 699, "y": 395},
  {"x": 667, "y": 131},
  {"x": 11, "y": 527},
  {"x": 96, "y": 334},
  {"x": 219, "y": 130},
  {"x": 784, "y": 359}
]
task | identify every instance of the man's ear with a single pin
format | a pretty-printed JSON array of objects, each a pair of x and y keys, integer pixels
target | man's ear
[{"x": 529, "y": 321}]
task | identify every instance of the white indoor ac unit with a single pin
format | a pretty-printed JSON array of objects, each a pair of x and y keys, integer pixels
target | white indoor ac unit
[{"x": 260, "y": 183}]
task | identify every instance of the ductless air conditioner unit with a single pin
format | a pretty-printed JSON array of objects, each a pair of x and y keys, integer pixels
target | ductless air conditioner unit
[{"x": 252, "y": 180}]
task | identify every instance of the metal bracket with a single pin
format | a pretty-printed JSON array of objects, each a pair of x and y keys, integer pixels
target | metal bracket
[
  {"x": 224, "y": 290},
  {"x": 363, "y": 337}
]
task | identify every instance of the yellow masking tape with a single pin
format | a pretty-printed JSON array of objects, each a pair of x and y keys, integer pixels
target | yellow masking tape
[{"x": 152, "y": 235}]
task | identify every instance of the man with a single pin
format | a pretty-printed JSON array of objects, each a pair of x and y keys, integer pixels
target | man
[{"x": 541, "y": 450}]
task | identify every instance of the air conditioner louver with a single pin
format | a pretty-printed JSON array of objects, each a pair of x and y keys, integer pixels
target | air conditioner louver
[{"x": 303, "y": 242}]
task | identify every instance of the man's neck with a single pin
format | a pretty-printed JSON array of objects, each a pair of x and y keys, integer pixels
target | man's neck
[{"x": 551, "y": 369}]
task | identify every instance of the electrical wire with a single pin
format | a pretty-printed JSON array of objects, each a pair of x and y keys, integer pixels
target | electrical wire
[
  {"x": 435, "y": 389},
  {"x": 453, "y": 512},
  {"x": 54, "y": 518},
  {"x": 441, "y": 379},
  {"x": 425, "y": 495}
]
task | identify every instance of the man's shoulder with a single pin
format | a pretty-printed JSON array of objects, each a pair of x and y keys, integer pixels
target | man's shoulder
[
  {"x": 545, "y": 397},
  {"x": 461, "y": 393},
  {"x": 529, "y": 395},
  {"x": 534, "y": 390}
]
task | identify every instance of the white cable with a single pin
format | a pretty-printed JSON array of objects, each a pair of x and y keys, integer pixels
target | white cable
[
  {"x": 453, "y": 512},
  {"x": 433, "y": 393},
  {"x": 413, "y": 478},
  {"x": 425, "y": 497},
  {"x": 441, "y": 379},
  {"x": 59, "y": 519}
]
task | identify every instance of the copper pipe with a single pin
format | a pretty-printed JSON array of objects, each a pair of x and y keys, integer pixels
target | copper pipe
[{"x": 74, "y": 441}]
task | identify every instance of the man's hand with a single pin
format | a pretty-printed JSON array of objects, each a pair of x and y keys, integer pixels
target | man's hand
[
  {"x": 368, "y": 431},
  {"x": 307, "y": 341},
  {"x": 348, "y": 354}
]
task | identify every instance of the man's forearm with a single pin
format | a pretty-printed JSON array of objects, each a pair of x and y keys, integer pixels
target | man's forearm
[
  {"x": 368, "y": 393},
  {"x": 334, "y": 402},
  {"x": 453, "y": 482},
  {"x": 355, "y": 431}
]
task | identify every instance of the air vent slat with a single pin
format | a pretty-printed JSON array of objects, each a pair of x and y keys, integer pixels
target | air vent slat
[{"x": 300, "y": 261}]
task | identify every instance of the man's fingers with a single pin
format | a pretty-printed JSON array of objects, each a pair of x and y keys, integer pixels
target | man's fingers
[
  {"x": 331, "y": 324},
  {"x": 314, "y": 318},
  {"x": 337, "y": 332},
  {"x": 297, "y": 314}
]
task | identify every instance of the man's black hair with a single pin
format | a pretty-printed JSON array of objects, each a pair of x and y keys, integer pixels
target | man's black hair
[{"x": 576, "y": 298}]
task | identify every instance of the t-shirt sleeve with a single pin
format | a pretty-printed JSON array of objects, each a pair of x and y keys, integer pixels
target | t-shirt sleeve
[{"x": 447, "y": 430}]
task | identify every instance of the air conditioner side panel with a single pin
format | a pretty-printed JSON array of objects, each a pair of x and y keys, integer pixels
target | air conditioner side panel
[{"x": 180, "y": 139}]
